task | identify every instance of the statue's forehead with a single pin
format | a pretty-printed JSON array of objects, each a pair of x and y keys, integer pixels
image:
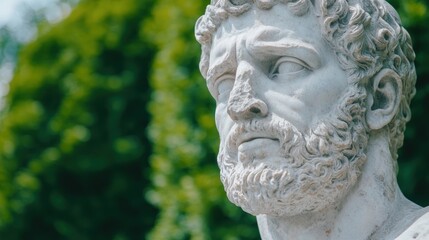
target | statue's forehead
[{"x": 278, "y": 17}]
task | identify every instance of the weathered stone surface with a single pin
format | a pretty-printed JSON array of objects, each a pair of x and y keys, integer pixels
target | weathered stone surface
[{"x": 312, "y": 100}]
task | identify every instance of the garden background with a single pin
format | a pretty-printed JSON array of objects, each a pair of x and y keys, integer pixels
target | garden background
[{"x": 107, "y": 129}]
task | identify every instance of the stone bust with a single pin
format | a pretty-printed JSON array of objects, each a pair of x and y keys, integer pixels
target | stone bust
[{"x": 312, "y": 98}]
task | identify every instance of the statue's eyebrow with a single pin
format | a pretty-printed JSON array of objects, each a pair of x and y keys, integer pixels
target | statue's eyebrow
[{"x": 292, "y": 47}]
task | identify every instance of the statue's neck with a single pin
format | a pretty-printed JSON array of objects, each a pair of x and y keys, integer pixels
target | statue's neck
[{"x": 372, "y": 208}]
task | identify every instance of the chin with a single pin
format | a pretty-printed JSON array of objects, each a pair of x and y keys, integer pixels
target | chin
[{"x": 290, "y": 192}]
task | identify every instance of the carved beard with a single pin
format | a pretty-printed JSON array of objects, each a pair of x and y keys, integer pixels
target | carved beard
[{"x": 311, "y": 171}]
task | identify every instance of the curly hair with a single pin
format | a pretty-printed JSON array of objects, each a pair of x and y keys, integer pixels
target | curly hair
[{"x": 366, "y": 36}]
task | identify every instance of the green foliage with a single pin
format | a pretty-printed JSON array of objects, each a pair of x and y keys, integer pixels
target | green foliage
[
  {"x": 185, "y": 176},
  {"x": 73, "y": 145}
]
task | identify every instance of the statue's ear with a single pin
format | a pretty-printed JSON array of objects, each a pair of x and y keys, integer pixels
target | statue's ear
[{"x": 384, "y": 97}]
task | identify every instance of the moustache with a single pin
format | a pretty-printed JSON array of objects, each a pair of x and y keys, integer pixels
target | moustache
[{"x": 271, "y": 127}]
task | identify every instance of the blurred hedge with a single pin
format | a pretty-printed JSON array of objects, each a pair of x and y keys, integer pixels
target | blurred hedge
[
  {"x": 73, "y": 145},
  {"x": 78, "y": 159}
]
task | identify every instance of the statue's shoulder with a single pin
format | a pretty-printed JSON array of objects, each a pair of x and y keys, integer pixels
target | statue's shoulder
[{"x": 419, "y": 230}]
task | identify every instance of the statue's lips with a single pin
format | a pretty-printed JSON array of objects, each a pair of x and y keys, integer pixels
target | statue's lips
[{"x": 258, "y": 143}]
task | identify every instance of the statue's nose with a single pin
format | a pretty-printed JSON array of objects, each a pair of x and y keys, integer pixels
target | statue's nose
[
  {"x": 252, "y": 108},
  {"x": 243, "y": 103}
]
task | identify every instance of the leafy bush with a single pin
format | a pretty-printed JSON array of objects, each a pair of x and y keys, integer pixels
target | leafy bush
[
  {"x": 73, "y": 145},
  {"x": 78, "y": 159}
]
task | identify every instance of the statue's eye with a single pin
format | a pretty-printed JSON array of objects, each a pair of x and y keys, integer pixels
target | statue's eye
[
  {"x": 287, "y": 68},
  {"x": 224, "y": 86}
]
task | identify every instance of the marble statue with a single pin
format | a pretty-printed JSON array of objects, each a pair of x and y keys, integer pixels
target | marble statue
[{"x": 312, "y": 100}]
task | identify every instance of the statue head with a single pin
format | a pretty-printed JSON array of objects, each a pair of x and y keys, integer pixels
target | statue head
[{"x": 300, "y": 87}]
